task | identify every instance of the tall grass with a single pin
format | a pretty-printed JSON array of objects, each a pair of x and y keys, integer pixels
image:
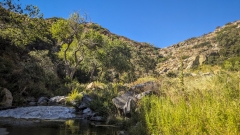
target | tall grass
[{"x": 212, "y": 107}]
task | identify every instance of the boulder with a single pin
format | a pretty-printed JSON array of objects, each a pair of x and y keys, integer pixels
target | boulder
[
  {"x": 202, "y": 59},
  {"x": 143, "y": 94},
  {"x": 43, "y": 101},
  {"x": 7, "y": 98},
  {"x": 122, "y": 101},
  {"x": 87, "y": 113},
  {"x": 125, "y": 101},
  {"x": 90, "y": 86},
  {"x": 32, "y": 103},
  {"x": 97, "y": 118},
  {"x": 85, "y": 101},
  {"x": 57, "y": 100},
  {"x": 194, "y": 62}
]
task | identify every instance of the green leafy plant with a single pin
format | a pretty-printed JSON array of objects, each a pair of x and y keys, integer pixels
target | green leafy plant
[{"x": 74, "y": 96}]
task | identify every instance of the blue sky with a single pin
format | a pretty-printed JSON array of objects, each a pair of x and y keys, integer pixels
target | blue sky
[{"x": 158, "y": 22}]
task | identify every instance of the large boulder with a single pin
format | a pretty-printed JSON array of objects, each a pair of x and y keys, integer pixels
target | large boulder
[
  {"x": 85, "y": 102},
  {"x": 125, "y": 101},
  {"x": 7, "y": 98},
  {"x": 194, "y": 62},
  {"x": 57, "y": 100},
  {"x": 87, "y": 113}
]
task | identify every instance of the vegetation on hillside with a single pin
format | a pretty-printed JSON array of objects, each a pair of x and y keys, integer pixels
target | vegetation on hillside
[
  {"x": 56, "y": 56},
  {"x": 45, "y": 56}
]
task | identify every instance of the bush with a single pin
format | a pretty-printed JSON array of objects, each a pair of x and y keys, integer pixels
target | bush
[
  {"x": 232, "y": 64},
  {"x": 74, "y": 96},
  {"x": 208, "y": 44},
  {"x": 171, "y": 74},
  {"x": 102, "y": 99},
  {"x": 185, "y": 57}
]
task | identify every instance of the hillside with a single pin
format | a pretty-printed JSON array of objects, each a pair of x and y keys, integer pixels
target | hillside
[
  {"x": 35, "y": 63},
  {"x": 214, "y": 48},
  {"x": 45, "y": 53}
]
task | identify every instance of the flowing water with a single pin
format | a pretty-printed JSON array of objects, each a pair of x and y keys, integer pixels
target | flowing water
[{"x": 10, "y": 126}]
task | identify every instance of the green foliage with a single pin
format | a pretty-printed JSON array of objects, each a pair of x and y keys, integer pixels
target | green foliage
[
  {"x": 214, "y": 59},
  {"x": 228, "y": 39},
  {"x": 102, "y": 102},
  {"x": 22, "y": 26},
  {"x": 162, "y": 59},
  {"x": 98, "y": 28},
  {"x": 60, "y": 30},
  {"x": 232, "y": 64},
  {"x": 171, "y": 74},
  {"x": 144, "y": 80},
  {"x": 212, "y": 107},
  {"x": 185, "y": 57},
  {"x": 208, "y": 44},
  {"x": 74, "y": 96},
  {"x": 115, "y": 59}
]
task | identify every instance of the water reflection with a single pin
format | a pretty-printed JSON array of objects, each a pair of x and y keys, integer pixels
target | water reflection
[
  {"x": 82, "y": 127},
  {"x": 3, "y": 131},
  {"x": 69, "y": 127}
]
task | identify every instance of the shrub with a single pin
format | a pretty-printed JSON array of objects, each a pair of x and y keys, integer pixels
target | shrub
[
  {"x": 144, "y": 80},
  {"x": 171, "y": 74},
  {"x": 74, "y": 96},
  {"x": 185, "y": 57},
  {"x": 208, "y": 44},
  {"x": 232, "y": 64},
  {"x": 102, "y": 100}
]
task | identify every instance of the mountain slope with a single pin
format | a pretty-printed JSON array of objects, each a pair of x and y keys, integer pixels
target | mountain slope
[{"x": 212, "y": 49}]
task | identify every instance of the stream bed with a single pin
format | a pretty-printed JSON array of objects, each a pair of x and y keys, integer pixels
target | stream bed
[{"x": 12, "y": 126}]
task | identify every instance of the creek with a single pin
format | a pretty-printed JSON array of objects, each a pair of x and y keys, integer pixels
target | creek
[{"x": 13, "y": 126}]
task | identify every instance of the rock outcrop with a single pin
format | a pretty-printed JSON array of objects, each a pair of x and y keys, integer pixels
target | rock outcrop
[
  {"x": 7, "y": 98},
  {"x": 192, "y": 52},
  {"x": 125, "y": 101}
]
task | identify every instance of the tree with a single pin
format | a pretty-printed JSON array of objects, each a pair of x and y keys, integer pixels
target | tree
[
  {"x": 114, "y": 55},
  {"x": 22, "y": 26},
  {"x": 75, "y": 42}
]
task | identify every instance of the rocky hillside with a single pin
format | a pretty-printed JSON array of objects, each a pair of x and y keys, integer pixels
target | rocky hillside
[{"x": 213, "y": 48}]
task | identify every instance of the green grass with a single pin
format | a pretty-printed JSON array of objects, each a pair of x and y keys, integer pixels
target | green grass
[{"x": 210, "y": 105}]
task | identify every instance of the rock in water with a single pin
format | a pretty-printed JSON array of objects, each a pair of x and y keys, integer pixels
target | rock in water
[
  {"x": 3, "y": 131},
  {"x": 40, "y": 112},
  {"x": 7, "y": 98}
]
